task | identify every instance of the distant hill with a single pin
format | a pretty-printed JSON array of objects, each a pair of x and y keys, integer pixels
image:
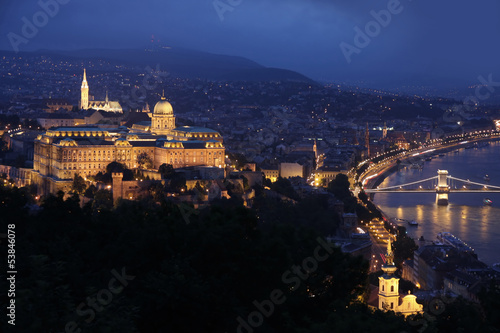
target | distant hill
[{"x": 187, "y": 63}]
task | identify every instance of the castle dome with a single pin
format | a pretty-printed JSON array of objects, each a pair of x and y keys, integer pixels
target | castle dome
[{"x": 163, "y": 107}]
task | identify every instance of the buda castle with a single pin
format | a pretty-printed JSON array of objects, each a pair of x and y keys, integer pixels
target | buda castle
[{"x": 62, "y": 152}]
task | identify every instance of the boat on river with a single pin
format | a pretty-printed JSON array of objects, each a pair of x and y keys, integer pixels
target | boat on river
[{"x": 447, "y": 238}]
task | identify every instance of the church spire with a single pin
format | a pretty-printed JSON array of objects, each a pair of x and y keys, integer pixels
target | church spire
[
  {"x": 389, "y": 268},
  {"x": 163, "y": 95},
  {"x": 107, "y": 100},
  {"x": 84, "y": 99},
  {"x": 389, "y": 255},
  {"x": 84, "y": 81}
]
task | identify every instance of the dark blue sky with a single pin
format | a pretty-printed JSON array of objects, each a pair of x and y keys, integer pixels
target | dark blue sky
[{"x": 424, "y": 39}]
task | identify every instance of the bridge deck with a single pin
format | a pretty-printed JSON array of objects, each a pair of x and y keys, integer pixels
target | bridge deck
[{"x": 431, "y": 191}]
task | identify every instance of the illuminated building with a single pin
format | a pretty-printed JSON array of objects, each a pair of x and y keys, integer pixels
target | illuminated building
[
  {"x": 388, "y": 294},
  {"x": 62, "y": 152},
  {"x": 271, "y": 172},
  {"x": 85, "y": 103},
  {"x": 162, "y": 117}
]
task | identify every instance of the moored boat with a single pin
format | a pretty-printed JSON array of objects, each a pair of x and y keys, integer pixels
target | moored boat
[{"x": 447, "y": 238}]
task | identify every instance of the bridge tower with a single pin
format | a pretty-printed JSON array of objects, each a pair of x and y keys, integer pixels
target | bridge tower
[{"x": 442, "y": 189}]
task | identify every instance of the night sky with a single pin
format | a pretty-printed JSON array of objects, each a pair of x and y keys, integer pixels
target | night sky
[{"x": 437, "y": 40}]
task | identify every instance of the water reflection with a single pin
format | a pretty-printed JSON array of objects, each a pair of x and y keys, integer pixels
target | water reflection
[{"x": 466, "y": 216}]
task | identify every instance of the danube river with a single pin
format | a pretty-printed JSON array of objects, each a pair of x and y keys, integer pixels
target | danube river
[{"x": 466, "y": 216}]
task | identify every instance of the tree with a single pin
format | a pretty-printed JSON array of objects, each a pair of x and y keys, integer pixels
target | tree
[
  {"x": 284, "y": 186},
  {"x": 238, "y": 159},
  {"x": 363, "y": 196},
  {"x": 79, "y": 185},
  {"x": 209, "y": 266},
  {"x": 340, "y": 187},
  {"x": 167, "y": 171},
  {"x": 177, "y": 183},
  {"x": 404, "y": 247},
  {"x": 199, "y": 187},
  {"x": 144, "y": 161},
  {"x": 112, "y": 168},
  {"x": 90, "y": 191}
]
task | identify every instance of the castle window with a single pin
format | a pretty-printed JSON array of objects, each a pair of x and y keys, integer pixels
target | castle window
[
  {"x": 392, "y": 288},
  {"x": 383, "y": 287},
  {"x": 392, "y": 305}
]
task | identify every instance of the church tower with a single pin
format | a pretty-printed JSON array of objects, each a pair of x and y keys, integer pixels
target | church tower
[
  {"x": 106, "y": 104},
  {"x": 388, "y": 293},
  {"x": 384, "y": 131},
  {"x": 315, "y": 149},
  {"x": 84, "y": 102}
]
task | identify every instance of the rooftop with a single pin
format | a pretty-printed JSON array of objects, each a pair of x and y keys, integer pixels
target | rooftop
[{"x": 194, "y": 129}]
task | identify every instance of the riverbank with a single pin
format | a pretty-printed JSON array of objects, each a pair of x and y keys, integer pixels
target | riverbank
[
  {"x": 466, "y": 216},
  {"x": 376, "y": 176}
]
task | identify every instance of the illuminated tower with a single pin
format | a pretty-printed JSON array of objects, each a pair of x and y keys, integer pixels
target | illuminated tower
[
  {"x": 384, "y": 131},
  {"x": 84, "y": 102},
  {"x": 388, "y": 293},
  {"x": 388, "y": 290},
  {"x": 315, "y": 149},
  {"x": 367, "y": 139}
]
